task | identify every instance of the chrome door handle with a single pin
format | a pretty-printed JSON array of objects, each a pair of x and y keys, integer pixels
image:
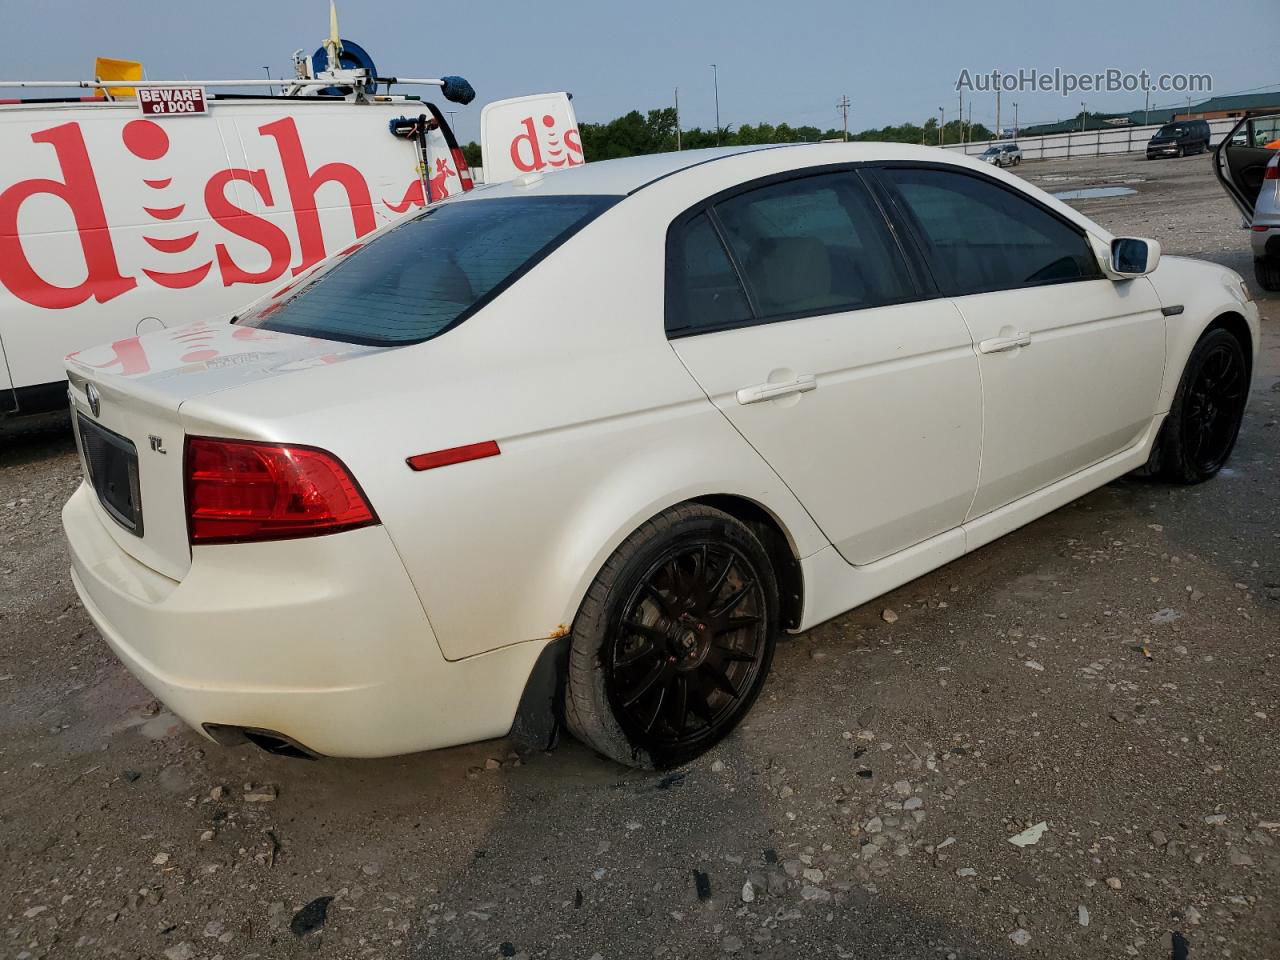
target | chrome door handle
[
  {"x": 1001, "y": 344},
  {"x": 772, "y": 391}
]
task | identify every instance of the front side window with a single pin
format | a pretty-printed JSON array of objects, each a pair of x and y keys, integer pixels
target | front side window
[
  {"x": 427, "y": 274},
  {"x": 1265, "y": 131},
  {"x": 818, "y": 244},
  {"x": 979, "y": 236}
]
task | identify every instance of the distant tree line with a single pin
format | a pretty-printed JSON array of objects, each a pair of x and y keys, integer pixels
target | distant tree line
[{"x": 635, "y": 133}]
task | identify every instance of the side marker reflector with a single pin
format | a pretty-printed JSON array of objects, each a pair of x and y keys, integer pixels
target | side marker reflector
[{"x": 445, "y": 458}]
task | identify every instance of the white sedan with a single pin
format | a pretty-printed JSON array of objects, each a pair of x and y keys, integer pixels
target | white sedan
[{"x": 580, "y": 445}]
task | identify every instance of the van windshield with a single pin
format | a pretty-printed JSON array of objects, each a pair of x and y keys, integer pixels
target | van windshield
[
  {"x": 1171, "y": 130},
  {"x": 430, "y": 273}
]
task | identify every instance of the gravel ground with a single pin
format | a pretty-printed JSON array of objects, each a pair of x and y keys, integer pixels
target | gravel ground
[{"x": 1104, "y": 680}]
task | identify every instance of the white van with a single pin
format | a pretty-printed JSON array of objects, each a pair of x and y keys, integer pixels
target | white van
[{"x": 114, "y": 222}]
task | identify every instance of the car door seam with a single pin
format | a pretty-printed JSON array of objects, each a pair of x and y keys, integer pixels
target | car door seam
[
  {"x": 982, "y": 418},
  {"x": 765, "y": 460}
]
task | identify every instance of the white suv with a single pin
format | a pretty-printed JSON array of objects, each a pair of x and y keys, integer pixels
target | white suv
[{"x": 1002, "y": 155}]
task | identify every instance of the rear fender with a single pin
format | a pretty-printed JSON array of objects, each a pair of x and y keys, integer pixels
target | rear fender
[{"x": 711, "y": 461}]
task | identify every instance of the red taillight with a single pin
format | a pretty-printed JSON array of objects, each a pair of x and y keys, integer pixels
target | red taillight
[
  {"x": 464, "y": 172},
  {"x": 240, "y": 491},
  {"x": 1273, "y": 172}
]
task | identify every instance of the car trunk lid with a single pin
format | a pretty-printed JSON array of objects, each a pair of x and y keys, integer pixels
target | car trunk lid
[{"x": 125, "y": 399}]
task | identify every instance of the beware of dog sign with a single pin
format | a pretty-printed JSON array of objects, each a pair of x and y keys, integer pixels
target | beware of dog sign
[{"x": 172, "y": 101}]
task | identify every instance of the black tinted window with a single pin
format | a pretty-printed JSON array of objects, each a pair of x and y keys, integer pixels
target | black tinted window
[
  {"x": 815, "y": 244},
  {"x": 980, "y": 236},
  {"x": 414, "y": 281},
  {"x": 703, "y": 289}
]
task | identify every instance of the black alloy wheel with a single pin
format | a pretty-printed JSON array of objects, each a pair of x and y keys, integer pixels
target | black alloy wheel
[
  {"x": 688, "y": 645},
  {"x": 1200, "y": 431},
  {"x": 674, "y": 638},
  {"x": 1214, "y": 405}
]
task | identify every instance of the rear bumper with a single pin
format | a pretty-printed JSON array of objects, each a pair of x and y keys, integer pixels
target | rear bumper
[
  {"x": 1266, "y": 243},
  {"x": 322, "y": 640}
]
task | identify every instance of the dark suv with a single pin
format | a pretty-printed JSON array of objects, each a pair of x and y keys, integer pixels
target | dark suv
[{"x": 1179, "y": 139}]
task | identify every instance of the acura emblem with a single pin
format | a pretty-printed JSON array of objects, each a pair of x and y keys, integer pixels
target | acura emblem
[{"x": 91, "y": 394}]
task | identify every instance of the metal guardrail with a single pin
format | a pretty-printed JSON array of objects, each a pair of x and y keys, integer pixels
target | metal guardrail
[{"x": 1091, "y": 143}]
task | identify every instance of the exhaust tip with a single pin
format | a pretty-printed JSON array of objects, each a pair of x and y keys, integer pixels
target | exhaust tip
[{"x": 269, "y": 741}]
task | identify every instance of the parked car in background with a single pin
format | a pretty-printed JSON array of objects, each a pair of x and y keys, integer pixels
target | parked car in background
[
  {"x": 584, "y": 442},
  {"x": 1002, "y": 155},
  {"x": 1181, "y": 138},
  {"x": 1247, "y": 164}
]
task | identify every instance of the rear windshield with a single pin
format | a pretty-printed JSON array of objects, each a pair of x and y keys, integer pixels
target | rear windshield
[{"x": 430, "y": 273}]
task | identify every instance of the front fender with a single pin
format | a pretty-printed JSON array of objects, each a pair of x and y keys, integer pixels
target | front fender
[{"x": 1205, "y": 292}]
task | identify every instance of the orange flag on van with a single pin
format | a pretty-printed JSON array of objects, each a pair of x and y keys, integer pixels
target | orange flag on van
[{"x": 106, "y": 69}]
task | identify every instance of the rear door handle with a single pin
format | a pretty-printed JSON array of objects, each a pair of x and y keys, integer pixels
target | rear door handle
[
  {"x": 1001, "y": 344},
  {"x": 772, "y": 391}
]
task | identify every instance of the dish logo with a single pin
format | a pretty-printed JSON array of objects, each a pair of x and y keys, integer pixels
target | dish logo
[
  {"x": 529, "y": 135},
  {"x": 562, "y": 147},
  {"x": 256, "y": 222}
]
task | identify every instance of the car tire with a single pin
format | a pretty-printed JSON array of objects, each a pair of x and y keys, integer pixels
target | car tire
[
  {"x": 1266, "y": 270},
  {"x": 673, "y": 640},
  {"x": 1200, "y": 431}
]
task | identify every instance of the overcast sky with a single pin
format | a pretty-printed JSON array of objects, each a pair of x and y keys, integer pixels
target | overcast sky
[{"x": 778, "y": 61}]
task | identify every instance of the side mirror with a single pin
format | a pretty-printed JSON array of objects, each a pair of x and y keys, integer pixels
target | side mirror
[{"x": 1132, "y": 257}]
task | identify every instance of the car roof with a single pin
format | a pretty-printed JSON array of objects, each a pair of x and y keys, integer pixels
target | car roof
[
  {"x": 620, "y": 176},
  {"x": 626, "y": 175}
]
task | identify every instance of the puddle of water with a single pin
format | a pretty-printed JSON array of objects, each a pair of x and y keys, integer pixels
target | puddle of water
[{"x": 1091, "y": 193}]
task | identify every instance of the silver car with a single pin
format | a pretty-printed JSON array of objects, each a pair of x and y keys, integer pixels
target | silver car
[
  {"x": 1002, "y": 154},
  {"x": 1247, "y": 164}
]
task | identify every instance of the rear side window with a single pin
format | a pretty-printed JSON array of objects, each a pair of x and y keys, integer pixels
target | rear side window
[
  {"x": 980, "y": 237},
  {"x": 704, "y": 289},
  {"x": 813, "y": 245},
  {"x": 430, "y": 273}
]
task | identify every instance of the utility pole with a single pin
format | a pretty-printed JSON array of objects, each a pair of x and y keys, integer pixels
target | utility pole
[
  {"x": 942, "y": 127},
  {"x": 998, "y": 130},
  {"x": 715, "y": 78},
  {"x": 1015, "y": 119},
  {"x": 962, "y": 118},
  {"x": 1084, "y": 112},
  {"x": 843, "y": 106},
  {"x": 1146, "y": 110},
  {"x": 270, "y": 89},
  {"x": 677, "y": 118}
]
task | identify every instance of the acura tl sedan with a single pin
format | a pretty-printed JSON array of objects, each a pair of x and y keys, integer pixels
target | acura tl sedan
[{"x": 578, "y": 447}]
